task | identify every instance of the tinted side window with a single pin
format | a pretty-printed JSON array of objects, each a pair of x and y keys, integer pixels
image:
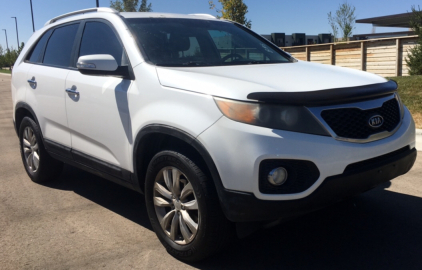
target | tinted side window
[
  {"x": 35, "y": 54},
  {"x": 99, "y": 38},
  {"x": 59, "y": 47}
]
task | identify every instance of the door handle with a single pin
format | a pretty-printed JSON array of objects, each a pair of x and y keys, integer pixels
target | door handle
[
  {"x": 72, "y": 90},
  {"x": 33, "y": 83}
]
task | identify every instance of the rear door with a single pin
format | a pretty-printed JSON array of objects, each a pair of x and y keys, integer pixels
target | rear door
[
  {"x": 47, "y": 78},
  {"x": 98, "y": 116}
]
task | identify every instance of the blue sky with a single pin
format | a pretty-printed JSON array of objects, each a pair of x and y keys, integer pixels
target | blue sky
[{"x": 298, "y": 16}]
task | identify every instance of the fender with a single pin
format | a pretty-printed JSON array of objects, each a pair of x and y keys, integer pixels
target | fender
[
  {"x": 24, "y": 105},
  {"x": 187, "y": 138}
]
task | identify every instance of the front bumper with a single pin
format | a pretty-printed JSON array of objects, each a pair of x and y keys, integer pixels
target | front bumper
[
  {"x": 238, "y": 149},
  {"x": 245, "y": 207}
]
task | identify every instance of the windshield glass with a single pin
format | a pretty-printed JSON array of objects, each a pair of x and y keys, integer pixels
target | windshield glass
[{"x": 191, "y": 42}]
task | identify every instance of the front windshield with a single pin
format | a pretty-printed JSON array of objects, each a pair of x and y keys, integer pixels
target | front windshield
[{"x": 192, "y": 42}]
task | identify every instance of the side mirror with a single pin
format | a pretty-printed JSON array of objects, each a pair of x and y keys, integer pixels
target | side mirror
[{"x": 101, "y": 65}]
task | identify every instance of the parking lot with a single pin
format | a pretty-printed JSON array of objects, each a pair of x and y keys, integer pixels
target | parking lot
[{"x": 84, "y": 222}]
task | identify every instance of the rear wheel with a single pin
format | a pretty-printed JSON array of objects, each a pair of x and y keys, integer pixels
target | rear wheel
[
  {"x": 183, "y": 207},
  {"x": 39, "y": 165}
]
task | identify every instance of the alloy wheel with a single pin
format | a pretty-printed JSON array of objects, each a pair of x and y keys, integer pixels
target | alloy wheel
[
  {"x": 176, "y": 205},
  {"x": 30, "y": 149}
]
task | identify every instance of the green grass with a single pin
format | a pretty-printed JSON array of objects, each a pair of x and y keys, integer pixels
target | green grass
[
  {"x": 5, "y": 71},
  {"x": 410, "y": 90}
]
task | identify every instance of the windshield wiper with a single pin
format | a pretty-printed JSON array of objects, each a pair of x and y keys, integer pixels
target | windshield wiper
[
  {"x": 196, "y": 63},
  {"x": 254, "y": 62}
]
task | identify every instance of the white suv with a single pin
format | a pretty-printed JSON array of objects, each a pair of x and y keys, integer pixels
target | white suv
[{"x": 219, "y": 128}]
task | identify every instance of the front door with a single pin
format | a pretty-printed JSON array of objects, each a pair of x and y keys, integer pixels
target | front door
[{"x": 98, "y": 114}]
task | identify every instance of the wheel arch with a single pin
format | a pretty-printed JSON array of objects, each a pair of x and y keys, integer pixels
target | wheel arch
[
  {"x": 155, "y": 138},
  {"x": 22, "y": 110}
]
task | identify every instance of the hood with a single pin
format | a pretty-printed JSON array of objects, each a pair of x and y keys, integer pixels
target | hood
[{"x": 236, "y": 82}]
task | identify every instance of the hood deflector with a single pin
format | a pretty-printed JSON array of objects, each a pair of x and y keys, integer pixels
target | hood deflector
[{"x": 327, "y": 97}]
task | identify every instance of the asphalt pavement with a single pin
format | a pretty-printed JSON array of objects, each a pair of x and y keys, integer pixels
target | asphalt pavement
[{"x": 81, "y": 221}]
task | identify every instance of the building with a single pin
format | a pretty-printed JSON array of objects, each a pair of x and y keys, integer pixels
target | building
[
  {"x": 297, "y": 39},
  {"x": 398, "y": 20}
]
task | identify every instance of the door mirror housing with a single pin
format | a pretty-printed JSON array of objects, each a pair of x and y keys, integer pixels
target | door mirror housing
[
  {"x": 101, "y": 65},
  {"x": 99, "y": 62}
]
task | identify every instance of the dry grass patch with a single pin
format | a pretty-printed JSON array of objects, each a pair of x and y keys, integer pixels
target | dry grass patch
[
  {"x": 410, "y": 90},
  {"x": 418, "y": 119}
]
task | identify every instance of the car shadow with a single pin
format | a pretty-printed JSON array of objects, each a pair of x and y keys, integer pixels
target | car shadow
[
  {"x": 379, "y": 229},
  {"x": 123, "y": 201}
]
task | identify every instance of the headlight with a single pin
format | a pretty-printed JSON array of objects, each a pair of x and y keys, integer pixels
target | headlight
[{"x": 291, "y": 118}]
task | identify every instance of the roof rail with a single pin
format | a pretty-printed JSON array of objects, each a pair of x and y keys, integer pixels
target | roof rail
[
  {"x": 83, "y": 11},
  {"x": 204, "y": 15}
]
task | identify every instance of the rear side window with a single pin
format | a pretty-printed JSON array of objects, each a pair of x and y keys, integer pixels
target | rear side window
[
  {"x": 99, "y": 38},
  {"x": 34, "y": 56},
  {"x": 60, "y": 44}
]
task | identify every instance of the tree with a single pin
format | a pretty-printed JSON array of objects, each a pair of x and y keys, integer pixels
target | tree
[
  {"x": 234, "y": 10},
  {"x": 2, "y": 60},
  {"x": 333, "y": 25},
  {"x": 414, "y": 58},
  {"x": 21, "y": 47},
  {"x": 131, "y": 5},
  {"x": 145, "y": 7},
  {"x": 345, "y": 18},
  {"x": 8, "y": 57}
]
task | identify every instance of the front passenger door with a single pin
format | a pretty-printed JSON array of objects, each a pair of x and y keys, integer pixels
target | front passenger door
[{"x": 98, "y": 116}]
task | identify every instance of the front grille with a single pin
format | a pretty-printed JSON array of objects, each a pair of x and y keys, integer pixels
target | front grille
[
  {"x": 302, "y": 174},
  {"x": 353, "y": 122}
]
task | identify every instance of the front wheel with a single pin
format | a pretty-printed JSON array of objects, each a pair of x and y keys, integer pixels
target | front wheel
[{"x": 183, "y": 207}]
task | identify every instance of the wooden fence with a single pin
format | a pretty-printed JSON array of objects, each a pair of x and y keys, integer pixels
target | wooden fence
[{"x": 385, "y": 56}]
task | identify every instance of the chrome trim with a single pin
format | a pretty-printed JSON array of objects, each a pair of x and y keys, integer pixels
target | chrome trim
[
  {"x": 72, "y": 90},
  {"x": 32, "y": 82},
  {"x": 376, "y": 121},
  {"x": 364, "y": 105}
]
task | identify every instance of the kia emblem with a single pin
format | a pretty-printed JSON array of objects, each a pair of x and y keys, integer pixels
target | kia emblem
[{"x": 376, "y": 121}]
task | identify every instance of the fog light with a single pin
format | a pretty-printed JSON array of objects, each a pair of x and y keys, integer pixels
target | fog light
[{"x": 278, "y": 176}]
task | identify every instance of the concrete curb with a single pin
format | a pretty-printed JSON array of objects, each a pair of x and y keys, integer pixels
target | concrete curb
[
  {"x": 419, "y": 139},
  {"x": 5, "y": 74}
]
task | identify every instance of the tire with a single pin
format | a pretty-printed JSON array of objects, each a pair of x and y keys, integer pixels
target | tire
[
  {"x": 39, "y": 165},
  {"x": 185, "y": 242}
]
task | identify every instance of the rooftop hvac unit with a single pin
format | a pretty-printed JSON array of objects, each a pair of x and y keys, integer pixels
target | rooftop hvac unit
[
  {"x": 324, "y": 38},
  {"x": 299, "y": 39},
  {"x": 278, "y": 39}
]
